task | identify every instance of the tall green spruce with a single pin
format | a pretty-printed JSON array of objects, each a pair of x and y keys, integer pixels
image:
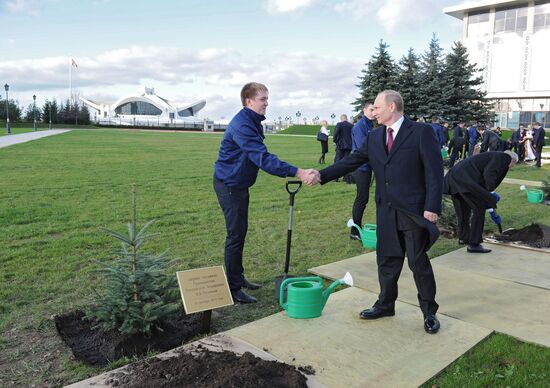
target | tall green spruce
[
  {"x": 462, "y": 88},
  {"x": 408, "y": 81},
  {"x": 430, "y": 99},
  {"x": 380, "y": 74},
  {"x": 137, "y": 294}
]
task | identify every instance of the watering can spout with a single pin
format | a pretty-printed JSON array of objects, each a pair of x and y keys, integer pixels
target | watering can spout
[{"x": 347, "y": 279}]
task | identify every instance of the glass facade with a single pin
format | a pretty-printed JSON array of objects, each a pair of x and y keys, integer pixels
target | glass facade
[
  {"x": 478, "y": 24},
  {"x": 511, "y": 19},
  {"x": 138, "y": 108},
  {"x": 542, "y": 15}
]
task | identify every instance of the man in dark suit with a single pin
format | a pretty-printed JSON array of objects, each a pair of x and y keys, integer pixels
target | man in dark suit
[
  {"x": 406, "y": 159},
  {"x": 490, "y": 141},
  {"x": 538, "y": 141},
  {"x": 471, "y": 184},
  {"x": 458, "y": 144},
  {"x": 472, "y": 138},
  {"x": 342, "y": 141}
]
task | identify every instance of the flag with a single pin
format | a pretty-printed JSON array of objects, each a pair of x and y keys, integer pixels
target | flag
[{"x": 73, "y": 63}]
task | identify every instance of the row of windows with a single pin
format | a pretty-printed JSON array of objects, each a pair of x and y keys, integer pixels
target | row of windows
[
  {"x": 138, "y": 108},
  {"x": 509, "y": 20},
  {"x": 513, "y": 119}
]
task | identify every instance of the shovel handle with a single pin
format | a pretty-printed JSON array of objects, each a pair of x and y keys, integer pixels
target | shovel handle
[{"x": 293, "y": 182}]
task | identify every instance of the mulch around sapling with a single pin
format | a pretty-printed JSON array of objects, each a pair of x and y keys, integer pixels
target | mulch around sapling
[
  {"x": 208, "y": 369},
  {"x": 98, "y": 347},
  {"x": 534, "y": 235}
]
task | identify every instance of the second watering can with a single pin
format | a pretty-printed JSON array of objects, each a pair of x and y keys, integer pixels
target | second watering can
[{"x": 306, "y": 297}]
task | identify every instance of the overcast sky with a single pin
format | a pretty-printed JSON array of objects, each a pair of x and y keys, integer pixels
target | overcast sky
[{"x": 308, "y": 52}]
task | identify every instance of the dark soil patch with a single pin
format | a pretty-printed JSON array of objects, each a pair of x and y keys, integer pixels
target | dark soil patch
[
  {"x": 206, "y": 369},
  {"x": 98, "y": 347},
  {"x": 534, "y": 235}
]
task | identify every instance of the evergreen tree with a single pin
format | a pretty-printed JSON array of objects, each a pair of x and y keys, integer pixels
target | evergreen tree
[
  {"x": 408, "y": 81},
  {"x": 30, "y": 113},
  {"x": 84, "y": 115},
  {"x": 137, "y": 295},
  {"x": 380, "y": 74},
  {"x": 430, "y": 100},
  {"x": 50, "y": 106},
  {"x": 463, "y": 95},
  {"x": 14, "y": 110}
]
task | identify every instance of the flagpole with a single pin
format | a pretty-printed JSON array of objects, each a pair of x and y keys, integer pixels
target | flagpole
[{"x": 70, "y": 82}]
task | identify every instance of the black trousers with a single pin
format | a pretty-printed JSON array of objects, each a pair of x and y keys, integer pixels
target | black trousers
[
  {"x": 234, "y": 203},
  {"x": 471, "y": 218},
  {"x": 414, "y": 241},
  {"x": 538, "y": 154},
  {"x": 458, "y": 151},
  {"x": 362, "y": 181}
]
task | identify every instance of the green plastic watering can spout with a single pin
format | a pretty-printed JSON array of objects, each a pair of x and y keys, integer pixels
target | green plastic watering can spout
[{"x": 347, "y": 279}]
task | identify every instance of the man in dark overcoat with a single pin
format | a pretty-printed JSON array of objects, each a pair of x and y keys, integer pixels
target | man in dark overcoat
[
  {"x": 538, "y": 141},
  {"x": 490, "y": 141},
  {"x": 471, "y": 184},
  {"x": 343, "y": 141},
  {"x": 406, "y": 160}
]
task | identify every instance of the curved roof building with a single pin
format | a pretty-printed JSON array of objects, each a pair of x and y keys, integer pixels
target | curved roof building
[{"x": 145, "y": 108}]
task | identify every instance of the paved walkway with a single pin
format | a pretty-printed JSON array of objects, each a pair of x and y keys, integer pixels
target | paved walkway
[{"x": 8, "y": 140}]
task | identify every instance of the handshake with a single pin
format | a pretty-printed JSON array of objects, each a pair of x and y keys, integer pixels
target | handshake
[{"x": 310, "y": 176}]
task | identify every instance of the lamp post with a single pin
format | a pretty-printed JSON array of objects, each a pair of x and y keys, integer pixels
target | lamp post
[
  {"x": 8, "y": 130},
  {"x": 332, "y": 116},
  {"x": 50, "y": 109},
  {"x": 305, "y": 121},
  {"x": 34, "y": 110}
]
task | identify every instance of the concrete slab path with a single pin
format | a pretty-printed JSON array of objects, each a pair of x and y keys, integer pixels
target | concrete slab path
[
  {"x": 508, "y": 298},
  {"x": 8, "y": 140}
]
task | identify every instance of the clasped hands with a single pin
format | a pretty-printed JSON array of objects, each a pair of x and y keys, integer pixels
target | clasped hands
[{"x": 310, "y": 176}]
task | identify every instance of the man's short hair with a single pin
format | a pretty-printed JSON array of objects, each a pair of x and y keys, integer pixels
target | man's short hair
[
  {"x": 343, "y": 117},
  {"x": 513, "y": 155},
  {"x": 435, "y": 119},
  {"x": 393, "y": 96},
  {"x": 367, "y": 104},
  {"x": 536, "y": 123},
  {"x": 250, "y": 90}
]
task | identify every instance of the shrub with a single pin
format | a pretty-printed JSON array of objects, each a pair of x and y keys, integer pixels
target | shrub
[{"x": 137, "y": 294}]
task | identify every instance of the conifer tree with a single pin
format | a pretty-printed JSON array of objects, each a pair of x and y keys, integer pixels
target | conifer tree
[
  {"x": 379, "y": 74},
  {"x": 463, "y": 92},
  {"x": 137, "y": 294},
  {"x": 408, "y": 81},
  {"x": 430, "y": 100}
]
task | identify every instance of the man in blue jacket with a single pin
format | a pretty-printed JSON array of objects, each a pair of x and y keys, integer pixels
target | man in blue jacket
[
  {"x": 363, "y": 175},
  {"x": 472, "y": 138},
  {"x": 438, "y": 131},
  {"x": 242, "y": 153}
]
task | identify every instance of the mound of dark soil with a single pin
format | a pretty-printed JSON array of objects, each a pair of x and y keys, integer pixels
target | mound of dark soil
[
  {"x": 207, "y": 369},
  {"x": 98, "y": 347},
  {"x": 534, "y": 235}
]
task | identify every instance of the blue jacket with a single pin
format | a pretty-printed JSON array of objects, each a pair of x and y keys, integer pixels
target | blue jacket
[
  {"x": 438, "y": 130},
  {"x": 472, "y": 135},
  {"x": 358, "y": 135},
  {"x": 243, "y": 152}
]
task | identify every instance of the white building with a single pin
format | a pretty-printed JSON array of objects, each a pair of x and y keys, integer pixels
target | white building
[
  {"x": 145, "y": 108},
  {"x": 510, "y": 40}
]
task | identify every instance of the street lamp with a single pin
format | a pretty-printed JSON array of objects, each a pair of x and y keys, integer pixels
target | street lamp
[
  {"x": 8, "y": 130},
  {"x": 34, "y": 110},
  {"x": 298, "y": 114},
  {"x": 50, "y": 109},
  {"x": 332, "y": 116},
  {"x": 305, "y": 121}
]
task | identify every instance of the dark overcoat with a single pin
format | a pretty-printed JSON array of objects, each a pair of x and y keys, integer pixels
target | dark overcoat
[
  {"x": 479, "y": 175},
  {"x": 409, "y": 179},
  {"x": 342, "y": 135}
]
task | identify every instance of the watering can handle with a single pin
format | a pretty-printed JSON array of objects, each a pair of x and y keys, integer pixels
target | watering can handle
[
  {"x": 293, "y": 182},
  {"x": 287, "y": 281}
]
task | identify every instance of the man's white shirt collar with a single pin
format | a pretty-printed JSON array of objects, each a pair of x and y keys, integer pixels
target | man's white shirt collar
[{"x": 395, "y": 126}]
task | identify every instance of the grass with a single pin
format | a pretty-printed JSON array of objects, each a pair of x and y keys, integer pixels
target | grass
[{"x": 59, "y": 191}]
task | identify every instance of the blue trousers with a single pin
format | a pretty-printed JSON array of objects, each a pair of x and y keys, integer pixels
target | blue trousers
[{"x": 234, "y": 203}]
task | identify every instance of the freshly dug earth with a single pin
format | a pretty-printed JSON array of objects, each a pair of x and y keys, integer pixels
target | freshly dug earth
[
  {"x": 206, "y": 369},
  {"x": 534, "y": 235},
  {"x": 98, "y": 347}
]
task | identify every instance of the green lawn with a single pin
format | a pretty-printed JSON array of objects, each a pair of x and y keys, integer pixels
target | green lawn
[{"x": 58, "y": 192}]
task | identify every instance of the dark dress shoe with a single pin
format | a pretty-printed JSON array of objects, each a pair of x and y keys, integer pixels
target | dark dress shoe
[
  {"x": 251, "y": 286},
  {"x": 241, "y": 297},
  {"x": 354, "y": 236},
  {"x": 431, "y": 324},
  {"x": 462, "y": 242},
  {"x": 477, "y": 249},
  {"x": 376, "y": 312}
]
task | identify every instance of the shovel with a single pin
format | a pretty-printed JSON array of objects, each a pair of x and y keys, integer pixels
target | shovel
[
  {"x": 292, "y": 187},
  {"x": 496, "y": 219}
]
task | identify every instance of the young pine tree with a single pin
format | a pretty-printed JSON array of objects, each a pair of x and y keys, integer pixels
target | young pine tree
[
  {"x": 137, "y": 294},
  {"x": 380, "y": 74},
  {"x": 463, "y": 92}
]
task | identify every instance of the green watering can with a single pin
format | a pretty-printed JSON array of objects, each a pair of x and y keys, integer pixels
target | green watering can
[
  {"x": 367, "y": 233},
  {"x": 533, "y": 195},
  {"x": 305, "y": 297}
]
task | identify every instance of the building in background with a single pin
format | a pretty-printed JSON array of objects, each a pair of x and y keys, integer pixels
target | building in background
[
  {"x": 146, "y": 109},
  {"x": 510, "y": 40}
]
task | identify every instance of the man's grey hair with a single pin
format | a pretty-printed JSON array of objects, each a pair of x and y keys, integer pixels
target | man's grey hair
[
  {"x": 393, "y": 96},
  {"x": 513, "y": 155}
]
